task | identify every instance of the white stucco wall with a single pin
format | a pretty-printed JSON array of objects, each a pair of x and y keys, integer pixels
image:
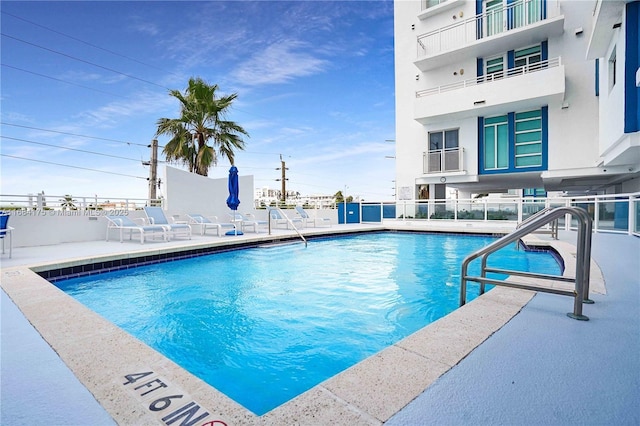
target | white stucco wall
[
  {"x": 612, "y": 99},
  {"x": 184, "y": 193},
  {"x": 190, "y": 193},
  {"x": 573, "y": 131}
]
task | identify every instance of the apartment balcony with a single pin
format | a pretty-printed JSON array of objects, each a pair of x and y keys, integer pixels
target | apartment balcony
[
  {"x": 518, "y": 24},
  {"x": 443, "y": 161},
  {"x": 517, "y": 89}
]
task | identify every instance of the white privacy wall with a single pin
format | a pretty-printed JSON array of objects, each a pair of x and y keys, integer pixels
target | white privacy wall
[{"x": 191, "y": 193}]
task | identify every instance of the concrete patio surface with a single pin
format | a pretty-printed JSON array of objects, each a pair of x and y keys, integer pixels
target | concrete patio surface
[{"x": 541, "y": 367}]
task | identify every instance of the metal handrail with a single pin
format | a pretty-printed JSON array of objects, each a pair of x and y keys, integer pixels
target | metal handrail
[
  {"x": 289, "y": 221},
  {"x": 490, "y": 78},
  {"x": 583, "y": 261},
  {"x": 554, "y": 224}
]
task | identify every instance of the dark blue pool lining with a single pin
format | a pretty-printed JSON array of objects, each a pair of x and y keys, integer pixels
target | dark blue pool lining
[{"x": 54, "y": 274}]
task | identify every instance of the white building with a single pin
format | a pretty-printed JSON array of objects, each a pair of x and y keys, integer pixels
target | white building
[
  {"x": 493, "y": 95},
  {"x": 269, "y": 197}
]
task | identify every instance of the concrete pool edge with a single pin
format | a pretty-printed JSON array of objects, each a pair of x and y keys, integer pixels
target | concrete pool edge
[{"x": 101, "y": 355}]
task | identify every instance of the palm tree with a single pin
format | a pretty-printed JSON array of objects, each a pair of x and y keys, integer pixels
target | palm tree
[
  {"x": 68, "y": 202},
  {"x": 201, "y": 121}
]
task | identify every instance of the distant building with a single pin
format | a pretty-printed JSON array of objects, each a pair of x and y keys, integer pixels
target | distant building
[
  {"x": 271, "y": 197},
  {"x": 525, "y": 95}
]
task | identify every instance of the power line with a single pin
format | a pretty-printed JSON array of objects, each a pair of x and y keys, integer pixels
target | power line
[
  {"x": 70, "y": 166},
  {"x": 72, "y": 149},
  {"x": 73, "y": 134},
  {"x": 82, "y": 60},
  {"x": 87, "y": 43},
  {"x": 62, "y": 81}
]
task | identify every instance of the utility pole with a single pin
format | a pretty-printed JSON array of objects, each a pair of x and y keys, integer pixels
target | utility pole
[
  {"x": 153, "y": 171},
  {"x": 283, "y": 179}
]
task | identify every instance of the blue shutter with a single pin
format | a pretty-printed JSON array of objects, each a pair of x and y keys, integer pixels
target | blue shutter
[
  {"x": 545, "y": 137},
  {"x": 478, "y": 20},
  {"x": 631, "y": 64},
  {"x": 544, "y": 48},
  {"x": 480, "y": 145},
  {"x": 510, "y": 15},
  {"x": 597, "y": 77},
  {"x": 479, "y": 67},
  {"x": 511, "y": 123},
  {"x": 511, "y": 60}
]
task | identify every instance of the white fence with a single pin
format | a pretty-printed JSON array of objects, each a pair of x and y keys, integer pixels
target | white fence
[{"x": 57, "y": 222}]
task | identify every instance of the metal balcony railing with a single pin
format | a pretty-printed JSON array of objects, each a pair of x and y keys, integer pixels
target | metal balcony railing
[
  {"x": 444, "y": 160},
  {"x": 515, "y": 15},
  {"x": 497, "y": 76}
]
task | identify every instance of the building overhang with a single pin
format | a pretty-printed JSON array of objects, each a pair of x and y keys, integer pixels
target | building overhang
[
  {"x": 606, "y": 15},
  {"x": 499, "y": 182},
  {"x": 492, "y": 45},
  {"x": 588, "y": 179},
  {"x": 625, "y": 151},
  {"x": 527, "y": 91},
  {"x": 447, "y": 178}
]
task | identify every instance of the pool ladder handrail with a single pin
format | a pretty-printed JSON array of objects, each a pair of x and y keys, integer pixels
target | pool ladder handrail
[
  {"x": 583, "y": 260},
  {"x": 554, "y": 224},
  {"x": 304, "y": 240}
]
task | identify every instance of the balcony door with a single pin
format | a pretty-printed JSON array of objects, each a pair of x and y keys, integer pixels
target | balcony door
[
  {"x": 443, "y": 153},
  {"x": 495, "y": 17},
  {"x": 503, "y": 15}
]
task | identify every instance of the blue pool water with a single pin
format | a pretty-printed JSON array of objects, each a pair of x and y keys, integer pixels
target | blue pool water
[{"x": 263, "y": 325}]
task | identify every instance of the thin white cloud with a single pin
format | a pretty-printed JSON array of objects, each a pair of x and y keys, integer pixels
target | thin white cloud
[
  {"x": 138, "y": 104},
  {"x": 345, "y": 152},
  {"x": 279, "y": 63}
]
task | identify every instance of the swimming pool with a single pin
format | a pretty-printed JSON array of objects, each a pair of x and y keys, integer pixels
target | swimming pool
[{"x": 266, "y": 324}]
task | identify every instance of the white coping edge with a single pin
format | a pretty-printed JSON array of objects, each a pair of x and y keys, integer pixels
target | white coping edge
[{"x": 109, "y": 362}]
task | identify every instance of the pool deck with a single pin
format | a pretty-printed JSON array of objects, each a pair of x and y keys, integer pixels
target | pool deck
[{"x": 509, "y": 357}]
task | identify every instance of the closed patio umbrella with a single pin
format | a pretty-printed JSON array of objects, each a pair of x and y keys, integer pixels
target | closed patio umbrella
[{"x": 232, "y": 200}]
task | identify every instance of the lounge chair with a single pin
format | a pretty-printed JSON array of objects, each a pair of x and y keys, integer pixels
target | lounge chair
[
  {"x": 6, "y": 230},
  {"x": 124, "y": 223},
  {"x": 247, "y": 221},
  {"x": 278, "y": 218},
  {"x": 313, "y": 221},
  {"x": 205, "y": 223},
  {"x": 155, "y": 216}
]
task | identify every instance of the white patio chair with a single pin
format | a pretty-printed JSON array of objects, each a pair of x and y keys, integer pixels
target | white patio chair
[
  {"x": 156, "y": 216},
  {"x": 313, "y": 221},
  {"x": 205, "y": 223},
  {"x": 124, "y": 223}
]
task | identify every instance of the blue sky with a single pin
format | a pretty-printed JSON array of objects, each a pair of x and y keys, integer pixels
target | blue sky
[{"x": 314, "y": 79}]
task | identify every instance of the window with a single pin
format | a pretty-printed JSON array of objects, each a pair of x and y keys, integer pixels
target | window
[
  {"x": 526, "y": 12},
  {"x": 513, "y": 62},
  {"x": 496, "y": 143},
  {"x": 612, "y": 69},
  {"x": 534, "y": 192},
  {"x": 513, "y": 142},
  {"x": 528, "y": 139},
  {"x": 494, "y": 68},
  {"x": 443, "y": 152},
  {"x": 426, "y": 4},
  {"x": 447, "y": 139},
  {"x": 529, "y": 58}
]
